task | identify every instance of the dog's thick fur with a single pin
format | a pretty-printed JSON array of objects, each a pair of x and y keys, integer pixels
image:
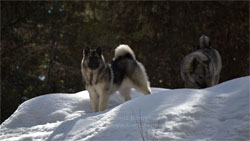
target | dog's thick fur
[
  {"x": 201, "y": 69},
  {"x": 101, "y": 79}
]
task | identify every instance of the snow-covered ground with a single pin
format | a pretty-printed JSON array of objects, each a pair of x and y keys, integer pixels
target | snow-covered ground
[{"x": 217, "y": 113}]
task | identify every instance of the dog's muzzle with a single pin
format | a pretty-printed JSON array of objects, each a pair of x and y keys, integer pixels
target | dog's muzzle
[{"x": 93, "y": 63}]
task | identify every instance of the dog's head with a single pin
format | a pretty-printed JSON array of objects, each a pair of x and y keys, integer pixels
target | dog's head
[{"x": 93, "y": 59}]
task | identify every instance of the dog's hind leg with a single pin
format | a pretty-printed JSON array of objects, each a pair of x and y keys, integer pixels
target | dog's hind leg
[
  {"x": 125, "y": 92},
  {"x": 216, "y": 79},
  {"x": 141, "y": 84},
  {"x": 139, "y": 79}
]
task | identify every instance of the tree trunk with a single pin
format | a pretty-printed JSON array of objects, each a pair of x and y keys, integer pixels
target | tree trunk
[{"x": 51, "y": 87}]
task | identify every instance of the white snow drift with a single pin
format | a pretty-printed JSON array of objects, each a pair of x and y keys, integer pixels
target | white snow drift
[{"x": 217, "y": 113}]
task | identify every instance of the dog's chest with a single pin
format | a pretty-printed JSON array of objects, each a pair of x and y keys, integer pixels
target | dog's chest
[{"x": 91, "y": 78}]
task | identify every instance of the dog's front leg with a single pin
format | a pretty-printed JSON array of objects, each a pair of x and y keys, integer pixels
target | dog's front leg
[
  {"x": 94, "y": 98},
  {"x": 104, "y": 101}
]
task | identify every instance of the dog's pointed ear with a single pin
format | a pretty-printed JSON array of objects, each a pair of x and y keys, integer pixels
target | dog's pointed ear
[
  {"x": 99, "y": 50},
  {"x": 86, "y": 51}
]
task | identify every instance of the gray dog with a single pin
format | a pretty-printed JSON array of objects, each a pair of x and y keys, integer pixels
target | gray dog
[
  {"x": 201, "y": 69},
  {"x": 102, "y": 80}
]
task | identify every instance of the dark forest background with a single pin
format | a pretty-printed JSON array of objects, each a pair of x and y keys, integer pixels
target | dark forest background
[{"x": 42, "y": 42}]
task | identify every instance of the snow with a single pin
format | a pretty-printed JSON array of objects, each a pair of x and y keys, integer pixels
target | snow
[{"x": 217, "y": 113}]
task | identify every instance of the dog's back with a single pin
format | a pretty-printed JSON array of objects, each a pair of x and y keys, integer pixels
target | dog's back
[{"x": 201, "y": 69}]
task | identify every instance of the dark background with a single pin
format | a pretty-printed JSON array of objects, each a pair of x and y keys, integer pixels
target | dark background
[{"x": 42, "y": 42}]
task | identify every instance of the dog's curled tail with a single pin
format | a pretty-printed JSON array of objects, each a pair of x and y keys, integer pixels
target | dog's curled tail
[
  {"x": 204, "y": 42},
  {"x": 124, "y": 50}
]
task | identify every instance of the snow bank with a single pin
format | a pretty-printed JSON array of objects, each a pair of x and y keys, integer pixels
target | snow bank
[{"x": 217, "y": 113}]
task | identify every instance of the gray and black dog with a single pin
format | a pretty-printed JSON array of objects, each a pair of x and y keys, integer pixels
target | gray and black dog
[
  {"x": 101, "y": 79},
  {"x": 201, "y": 69}
]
